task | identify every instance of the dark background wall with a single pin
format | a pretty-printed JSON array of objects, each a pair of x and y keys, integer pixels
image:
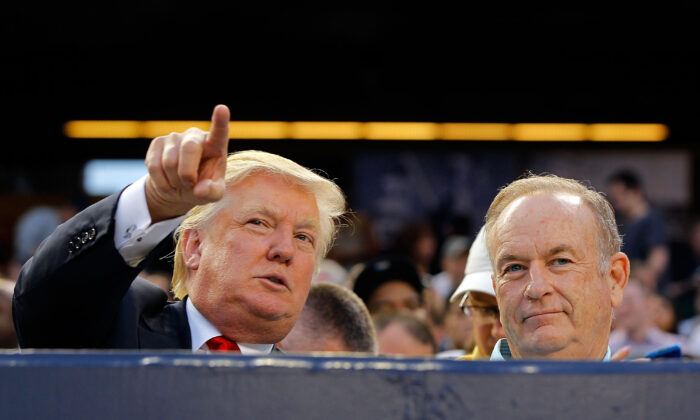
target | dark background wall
[{"x": 359, "y": 61}]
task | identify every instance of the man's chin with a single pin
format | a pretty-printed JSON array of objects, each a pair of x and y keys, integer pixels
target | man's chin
[
  {"x": 270, "y": 315},
  {"x": 268, "y": 328},
  {"x": 270, "y": 308},
  {"x": 543, "y": 344}
]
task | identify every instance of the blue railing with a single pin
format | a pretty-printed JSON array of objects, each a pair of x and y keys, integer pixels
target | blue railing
[{"x": 132, "y": 385}]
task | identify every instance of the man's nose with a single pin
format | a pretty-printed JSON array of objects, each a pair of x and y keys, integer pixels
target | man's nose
[
  {"x": 538, "y": 284},
  {"x": 281, "y": 246}
]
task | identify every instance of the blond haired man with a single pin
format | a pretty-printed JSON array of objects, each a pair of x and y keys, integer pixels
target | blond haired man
[
  {"x": 256, "y": 226},
  {"x": 558, "y": 269}
]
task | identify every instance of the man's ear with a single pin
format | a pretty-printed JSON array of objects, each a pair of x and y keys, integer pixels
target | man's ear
[
  {"x": 191, "y": 252},
  {"x": 618, "y": 274}
]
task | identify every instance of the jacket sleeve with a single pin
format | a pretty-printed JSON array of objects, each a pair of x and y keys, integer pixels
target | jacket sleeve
[{"x": 68, "y": 293}]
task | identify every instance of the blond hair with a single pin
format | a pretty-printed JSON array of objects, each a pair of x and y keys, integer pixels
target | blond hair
[
  {"x": 329, "y": 199},
  {"x": 608, "y": 240}
]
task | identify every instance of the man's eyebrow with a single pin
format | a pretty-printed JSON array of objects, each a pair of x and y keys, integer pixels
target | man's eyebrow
[
  {"x": 506, "y": 259},
  {"x": 559, "y": 249},
  {"x": 265, "y": 210},
  {"x": 308, "y": 224},
  {"x": 272, "y": 212}
]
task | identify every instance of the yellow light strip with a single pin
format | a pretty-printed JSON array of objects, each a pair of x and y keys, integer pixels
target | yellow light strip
[
  {"x": 475, "y": 131},
  {"x": 628, "y": 132},
  {"x": 351, "y": 130},
  {"x": 103, "y": 129},
  {"x": 345, "y": 130},
  {"x": 258, "y": 130},
  {"x": 549, "y": 132},
  {"x": 401, "y": 131},
  {"x": 151, "y": 129}
]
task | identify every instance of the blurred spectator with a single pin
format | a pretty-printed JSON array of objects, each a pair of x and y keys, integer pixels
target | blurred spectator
[
  {"x": 642, "y": 228},
  {"x": 690, "y": 329},
  {"x": 355, "y": 242},
  {"x": 453, "y": 259},
  {"x": 334, "y": 319},
  {"x": 661, "y": 312},
  {"x": 390, "y": 283},
  {"x": 417, "y": 241},
  {"x": 8, "y": 338},
  {"x": 686, "y": 327},
  {"x": 404, "y": 334},
  {"x": 35, "y": 225},
  {"x": 686, "y": 270},
  {"x": 458, "y": 338},
  {"x": 353, "y": 273},
  {"x": 695, "y": 246},
  {"x": 634, "y": 327},
  {"x": 476, "y": 296},
  {"x": 660, "y": 309},
  {"x": 329, "y": 271}
]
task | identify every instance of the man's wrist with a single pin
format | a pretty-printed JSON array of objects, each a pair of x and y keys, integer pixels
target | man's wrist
[
  {"x": 159, "y": 208},
  {"x": 136, "y": 234}
]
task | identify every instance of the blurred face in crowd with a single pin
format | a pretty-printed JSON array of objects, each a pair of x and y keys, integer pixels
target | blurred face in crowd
[
  {"x": 553, "y": 298},
  {"x": 622, "y": 198},
  {"x": 695, "y": 238},
  {"x": 395, "y": 296},
  {"x": 661, "y": 312},
  {"x": 455, "y": 267},
  {"x": 251, "y": 264},
  {"x": 460, "y": 328},
  {"x": 483, "y": 310},
  {"x": 633, "y": 310},
  {"x": 395, "y": 339},
  {"x": 425, "y": 246}
]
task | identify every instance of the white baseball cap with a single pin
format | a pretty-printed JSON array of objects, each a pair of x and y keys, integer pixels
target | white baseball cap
[{"x": 477, "y": 274}]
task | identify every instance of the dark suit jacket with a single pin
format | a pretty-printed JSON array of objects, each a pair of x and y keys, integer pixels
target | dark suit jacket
[{"x": 77, "y": 292}]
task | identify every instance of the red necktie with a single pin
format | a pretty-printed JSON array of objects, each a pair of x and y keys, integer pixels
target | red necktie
[{"x": 221, "y": 343}]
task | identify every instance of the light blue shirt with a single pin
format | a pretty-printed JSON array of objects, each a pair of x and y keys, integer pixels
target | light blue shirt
[{"x": 501, "y": 351}]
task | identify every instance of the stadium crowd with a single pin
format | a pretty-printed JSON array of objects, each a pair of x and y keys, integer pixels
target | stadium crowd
[{"x": 428, "y": 293}]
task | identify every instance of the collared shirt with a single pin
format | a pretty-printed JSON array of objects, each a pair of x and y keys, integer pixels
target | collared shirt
[
  {"x": 202, "y": 330},
  {"x": 135, "y": 237},
  {"x": 502, "y": 351}
]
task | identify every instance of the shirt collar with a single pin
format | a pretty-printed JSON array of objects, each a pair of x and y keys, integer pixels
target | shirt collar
[
  {"x": 202, "y": 330},
  {"x": 501, "y": 351},
  {"x": 501, "y": 354}
]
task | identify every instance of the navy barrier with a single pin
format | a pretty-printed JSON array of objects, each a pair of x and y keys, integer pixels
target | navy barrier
[{"x": 130, "y": 385}]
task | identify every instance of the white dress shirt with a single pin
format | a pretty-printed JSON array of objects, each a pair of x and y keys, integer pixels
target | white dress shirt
[{"x": 202, "y": 330}]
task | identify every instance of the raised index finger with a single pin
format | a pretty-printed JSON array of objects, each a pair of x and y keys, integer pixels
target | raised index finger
[{"x": 217, "y": 140}]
